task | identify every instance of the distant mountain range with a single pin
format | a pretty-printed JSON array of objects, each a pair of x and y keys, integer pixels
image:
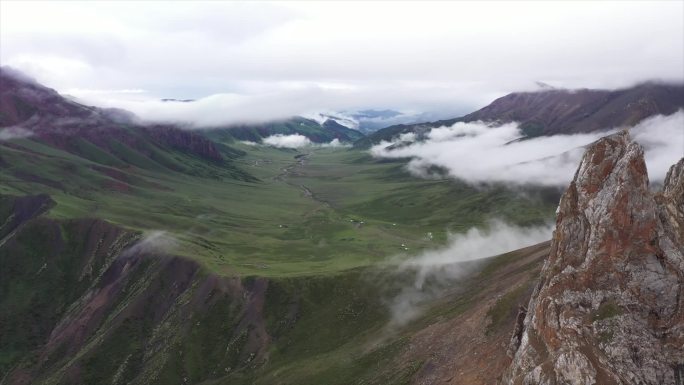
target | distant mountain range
[
  {"x": 316, "y": 132},
  {"x": 557, "y": 111},
  {"x": 369, "y": 121}
]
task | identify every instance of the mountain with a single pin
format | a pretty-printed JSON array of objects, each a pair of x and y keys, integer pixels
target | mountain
[
  {"x": 172, "y": 100},
  {"x": 98, "y": 303},
  {"x": 316, "y": 132},
  {"x": 609, "y": 307},
  {"x": 109, "y": 137},
  {"x": 30, "y": 109},
  {"x": 554, "y": 111},
  {"x": 101, "y": 303},
  {"x": 369, "y": 121}
]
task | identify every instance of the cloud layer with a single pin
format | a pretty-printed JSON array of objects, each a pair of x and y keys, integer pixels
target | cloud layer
[
  {"x": 479, "y": 153},
  {"x": 260, "y": 61}
]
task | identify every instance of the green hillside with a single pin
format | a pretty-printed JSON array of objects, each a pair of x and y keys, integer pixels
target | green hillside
[
  {"x": 160, "y": 319},
  {"x": 298, "y": 212}
]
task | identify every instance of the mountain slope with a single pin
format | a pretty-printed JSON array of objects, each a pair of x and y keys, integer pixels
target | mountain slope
[
  {"x": 551, "y": 112},
  {"x": 107, "y": 137},
  {"x": 610, "y": 305},
  {"x": 98, "y": 304},
  {"x": 317, "y": 133}
]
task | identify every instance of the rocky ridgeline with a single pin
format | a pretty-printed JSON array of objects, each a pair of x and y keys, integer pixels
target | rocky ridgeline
[{"x": 609, "y": 308}]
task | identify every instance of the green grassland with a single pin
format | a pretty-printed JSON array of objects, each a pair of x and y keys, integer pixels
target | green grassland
[
  {"x": 317, "y": 222},
  {"x": 312, "y": 211},
  {"x": 323, "y": 329}
]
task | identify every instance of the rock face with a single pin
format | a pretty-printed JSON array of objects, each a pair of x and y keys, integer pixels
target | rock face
[{"x": 609, "y": 308}]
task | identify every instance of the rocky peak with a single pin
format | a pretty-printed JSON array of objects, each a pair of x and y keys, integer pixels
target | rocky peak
[{"x": 609, "y": 308}]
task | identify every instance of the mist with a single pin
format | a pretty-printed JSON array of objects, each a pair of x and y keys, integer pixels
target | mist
[
  {"x": 156, "y": 241},
  {"x": 14, "y": 132},
  {"x": 287, "y": 141},
  {"x": 479, "y": 152},
  {"x": 296, "y": 141},
  {"x": 435, "y": 272}
]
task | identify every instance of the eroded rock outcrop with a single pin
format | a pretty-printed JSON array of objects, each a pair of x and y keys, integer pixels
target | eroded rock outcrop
[{"x": 609, "y": 308}]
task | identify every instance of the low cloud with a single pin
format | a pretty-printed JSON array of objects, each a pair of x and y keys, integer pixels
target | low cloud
[
  {"x": 663, "y": 140},
  {"x": 478, "y": 152},
  {"x": 296, "y": 141},
  {"x": 14, "y": 133},
  {"x": 335, "y": 143},
  {"x": 436, "y": 271},
  {"x": 153, "y": 242},
  {"x": 287, "y": 141}
]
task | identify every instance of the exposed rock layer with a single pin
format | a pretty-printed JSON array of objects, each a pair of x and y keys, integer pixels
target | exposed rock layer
[{"x": 609, "y": 307}]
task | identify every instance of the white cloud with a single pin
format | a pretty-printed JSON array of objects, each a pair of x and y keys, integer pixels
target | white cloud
[
  {"x": 663, "y": 140},
  {"x": 335, "y": 143},
  {"x": 480, "y": 153},
  {"x": 287, "y": 141},
  {"x": 14, "y": 132},
  {"x": 156, "y": 241},
  {"x": 297, "y": 141},
  {"x": 249, "y": 59},
  {"x": 438, "y": 270}
]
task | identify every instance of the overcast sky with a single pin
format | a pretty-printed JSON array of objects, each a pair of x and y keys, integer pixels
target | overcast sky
[{"x": 256, "y": 61}]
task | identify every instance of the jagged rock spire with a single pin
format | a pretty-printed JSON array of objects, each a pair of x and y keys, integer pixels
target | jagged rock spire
[{"x": 609, "y": 308}]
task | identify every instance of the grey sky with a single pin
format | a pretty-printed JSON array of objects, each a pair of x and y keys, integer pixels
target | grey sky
[{"x": 255, "y": 61}]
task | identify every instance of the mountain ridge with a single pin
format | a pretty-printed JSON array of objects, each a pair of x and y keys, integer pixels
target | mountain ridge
[{"x": 559, "y": 111}]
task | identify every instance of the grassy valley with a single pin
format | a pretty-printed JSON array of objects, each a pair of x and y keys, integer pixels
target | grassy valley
[
  {"x": 312, "y": 211},
  {"x": 282, "y": 252}
]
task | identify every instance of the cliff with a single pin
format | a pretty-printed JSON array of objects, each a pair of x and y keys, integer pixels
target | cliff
[{"x": 609, "y": 308}]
